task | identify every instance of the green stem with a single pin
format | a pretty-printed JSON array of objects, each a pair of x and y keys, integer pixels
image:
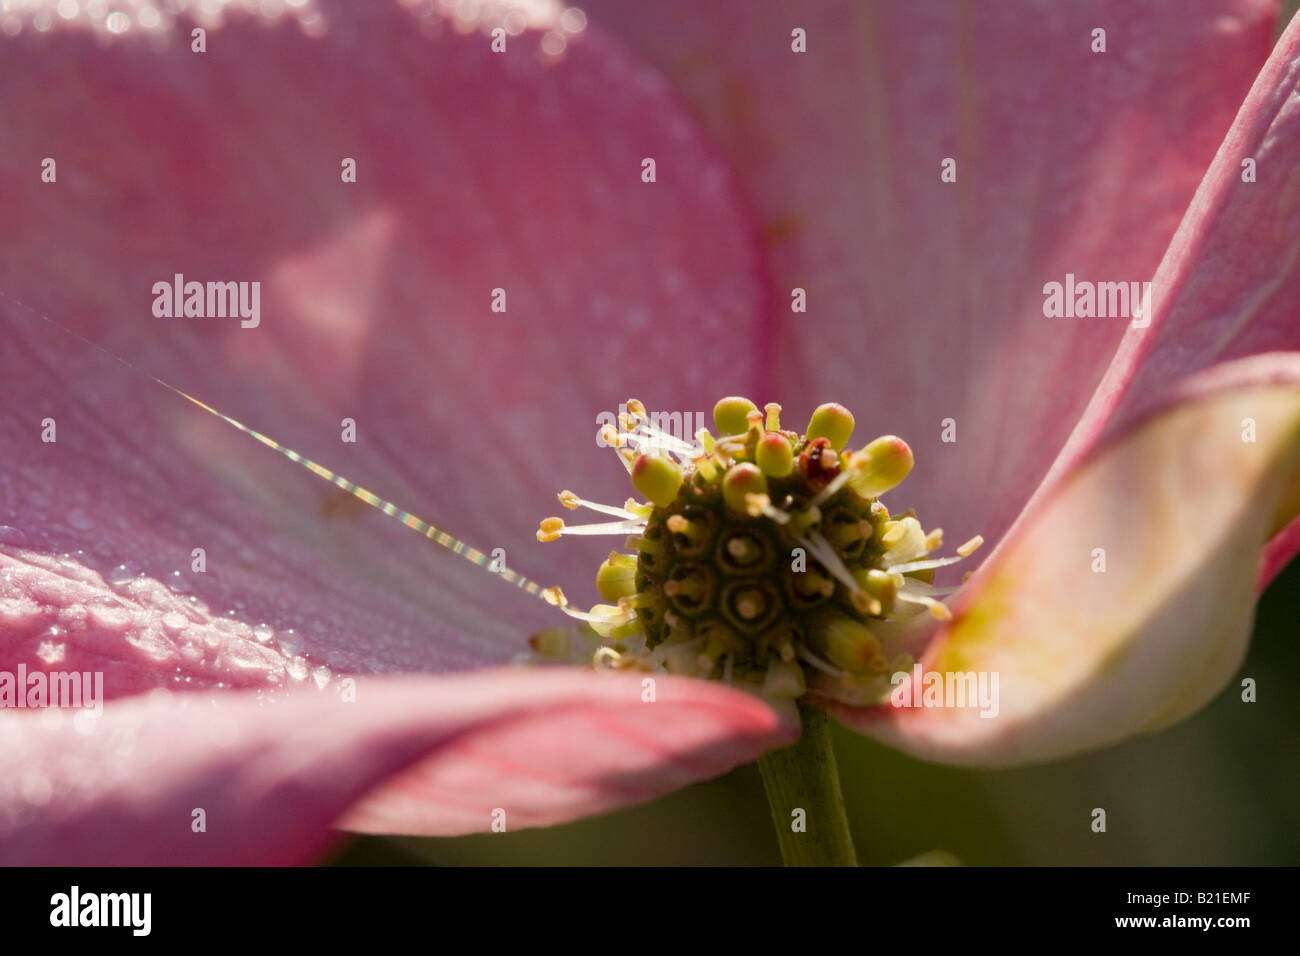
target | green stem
[{"x": 804, "y": 777}]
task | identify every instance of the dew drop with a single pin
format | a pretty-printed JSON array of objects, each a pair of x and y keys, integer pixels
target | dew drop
[
  {"x": 12, "y": 536},
  {"x": 51, "y": 652},
  {"x": 290, "y": 643},
  {"x": 122, "y": 574},
  {"x": 80, "y": 520}
]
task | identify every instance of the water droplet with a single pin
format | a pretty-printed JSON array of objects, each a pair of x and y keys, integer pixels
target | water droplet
[
  {"x": 321, "y": 676},
  {"x": 12, "y": 536},
  {"x": 176, "y": 581},
  {"x": 174, "y": 622},
  {"x": 80, "y": 520},
  {"x": 122, "y": 574},
  {"x": 290, "y": 643},
  {"x": 298, "y": 669},
  {"x": 51, "y": 652},
  {"x": 263, "y": 634}
]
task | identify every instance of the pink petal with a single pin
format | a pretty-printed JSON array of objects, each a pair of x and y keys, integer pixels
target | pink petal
[
  {"x": 429, "y": 755},
  {"x": 1181, "y": 505},
  {"x": 476, "y": 171},
  {"x": 925, "y": 299},
  {"x": 1229, "y": 285}
]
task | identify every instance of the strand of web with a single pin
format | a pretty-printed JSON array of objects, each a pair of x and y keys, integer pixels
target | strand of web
[{"x": 414, "y": 522}]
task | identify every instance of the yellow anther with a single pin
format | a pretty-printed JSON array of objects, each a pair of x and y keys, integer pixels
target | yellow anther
[
  {"x": 773, "y": 416},
  {"x": 939, "y": 610},
  {"x": 550, "y": 529},
  {"x": 864, "y": 603},
  {"x": 971, "y": 546},
  {"x": 569, "y": 500},
  {"x": 895, "y": 531}
]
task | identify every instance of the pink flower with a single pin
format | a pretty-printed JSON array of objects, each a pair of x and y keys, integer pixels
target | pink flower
[{"x": 229, "y": 687}]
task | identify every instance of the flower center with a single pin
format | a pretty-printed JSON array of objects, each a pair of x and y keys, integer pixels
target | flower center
[{"x": 763, "y": 557}]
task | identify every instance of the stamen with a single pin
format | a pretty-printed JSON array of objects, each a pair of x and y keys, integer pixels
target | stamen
[
  {"x": 846, "y": 535},
  {"x": 643, "y": 599},
  {"x": 691, "y": 586},
  {"x": 938, "y": 610},
  {"x": 552, "y": 528},
  {"x": 925, "y": 565},
  {"x": 692, "y": 530},
  {"x": 744, "y": 550},
  {"x": 606, "y": 658},
  {"x": 644, "y": 545},
  {"x": 649, "y": 438},
  {"x": 820, "y": 664},
  {"x": 573, "y": 502},
  {"x": 971, "y": 546},
  {"x": 821, "y": 549},
  {"x": 756, "y": 505}
]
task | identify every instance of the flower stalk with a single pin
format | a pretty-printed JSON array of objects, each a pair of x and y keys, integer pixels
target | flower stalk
[{"x": 804, "y": 777}]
